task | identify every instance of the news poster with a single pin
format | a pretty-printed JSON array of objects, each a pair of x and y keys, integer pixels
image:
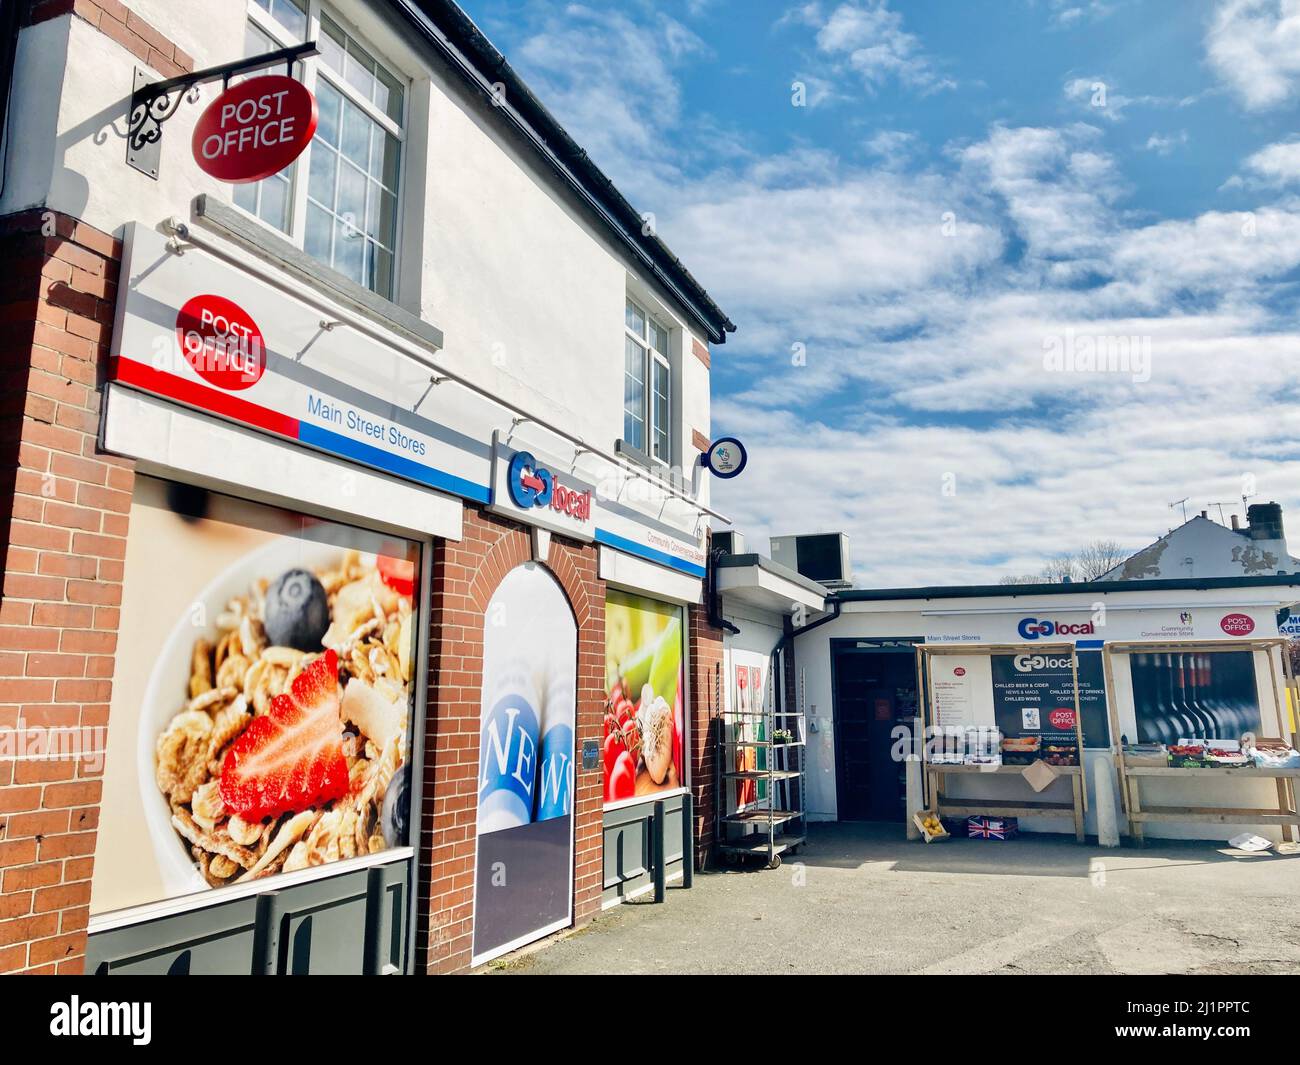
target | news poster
[
  {"x": 262, "y": 699},
  {"x": 1033, "y": 695},
  {"x": 645, "y": 727},
  {"x": 524, "y": 864}
]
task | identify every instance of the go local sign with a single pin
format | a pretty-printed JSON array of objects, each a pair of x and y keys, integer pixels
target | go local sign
[{"x": 254, "y": 129}]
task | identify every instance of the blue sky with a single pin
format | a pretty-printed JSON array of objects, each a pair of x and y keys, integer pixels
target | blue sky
[{"x": 927, "y": 216}]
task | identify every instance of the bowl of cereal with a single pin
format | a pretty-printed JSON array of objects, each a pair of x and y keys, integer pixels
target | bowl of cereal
[{"x": 276, "y": 717}]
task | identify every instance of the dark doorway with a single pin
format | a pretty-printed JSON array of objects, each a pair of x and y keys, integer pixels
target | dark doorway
[{"x": 874, "y": 689}]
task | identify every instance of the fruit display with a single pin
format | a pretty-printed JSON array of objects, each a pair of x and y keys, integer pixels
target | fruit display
[
  {"x": 644, "y": 726},
  {"x": 1061, "y": 753},
  {"x": 1187, "y": 755},
  {"x": 930, "y": 826},
  {"x": 1021, "y": 750}
]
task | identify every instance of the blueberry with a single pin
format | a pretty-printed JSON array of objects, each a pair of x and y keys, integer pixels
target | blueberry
[
  {"x": 297, "y": 612},
  {"x": 394, "y": 819}
]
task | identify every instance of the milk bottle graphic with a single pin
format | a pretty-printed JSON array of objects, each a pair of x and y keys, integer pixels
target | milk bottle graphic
[
  {"x": 555, "y": 764},
  {"x": 508, "y": 752}
]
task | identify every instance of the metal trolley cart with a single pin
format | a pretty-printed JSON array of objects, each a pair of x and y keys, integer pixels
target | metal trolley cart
[{"x": 763, "y": 747}]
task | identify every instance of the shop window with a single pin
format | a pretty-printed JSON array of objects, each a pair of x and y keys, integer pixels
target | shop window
[
  {"x": 339, "y": 201},
  {"x": 647, "y": 385},
  {"x": 263, "y": 701}
]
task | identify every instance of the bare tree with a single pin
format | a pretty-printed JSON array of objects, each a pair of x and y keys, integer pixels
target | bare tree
[
  {"x": 1098, "y": 557},
  {"x": 1060, "y": 569}
]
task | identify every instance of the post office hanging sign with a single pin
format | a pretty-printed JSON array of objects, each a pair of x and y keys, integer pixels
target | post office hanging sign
[{"x": 255, "y": 129}]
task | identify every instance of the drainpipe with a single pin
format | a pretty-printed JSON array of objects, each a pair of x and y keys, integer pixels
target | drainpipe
[{"x": 787, "y": 638}]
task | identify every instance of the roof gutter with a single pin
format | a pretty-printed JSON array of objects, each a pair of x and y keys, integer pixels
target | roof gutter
[{"x": 479, "y": 63}]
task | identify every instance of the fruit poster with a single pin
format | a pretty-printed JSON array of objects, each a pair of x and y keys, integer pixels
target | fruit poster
[
  {"x": 523, "y": 886},
  {"x": 262, "y": 699},
  {"x": 644, "y": 733},
  {"x": 1033, "y": 695}
]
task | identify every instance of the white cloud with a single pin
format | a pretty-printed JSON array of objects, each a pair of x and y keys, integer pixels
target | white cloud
[
  {"x": 1254, "y": 47},
  {"x": 1276, "y": 164},
  {"x": 1165, "y": 143},
  {"x": 926, "y": 297},
  {"x": 870, "y": 36}
]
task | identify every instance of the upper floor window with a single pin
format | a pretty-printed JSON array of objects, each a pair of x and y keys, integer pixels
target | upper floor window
[
  {"x": 647, "y": 377},
  {"x": 339, "y": 201}
]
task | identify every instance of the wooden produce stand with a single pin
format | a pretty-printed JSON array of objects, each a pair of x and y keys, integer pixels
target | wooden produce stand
[
  {"x": 936, "y": 774},
  {"x": 1286, "y": 813}
]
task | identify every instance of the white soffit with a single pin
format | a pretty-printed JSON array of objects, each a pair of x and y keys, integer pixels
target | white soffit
[
  {"x": 766, "y": 591},
  {"x": 637, "y": 575},
  {"x": 170, "y": 441}
]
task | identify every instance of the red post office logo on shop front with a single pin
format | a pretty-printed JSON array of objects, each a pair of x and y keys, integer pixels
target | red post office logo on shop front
[
  {"x": 221, "y": 341},
  {"x": 1237, "y": 624},
  {"x": 254, "y": 129},
  {"x": 960, "y": 671},
  {"x": 1061, "y": 718}
]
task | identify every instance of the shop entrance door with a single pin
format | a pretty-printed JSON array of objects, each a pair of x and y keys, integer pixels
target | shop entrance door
[{"x": 874, "y": 690}]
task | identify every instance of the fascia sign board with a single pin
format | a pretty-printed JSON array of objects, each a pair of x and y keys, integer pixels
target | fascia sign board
[
  {"x": 1090, "y": 628},
  {"x": 196, "y": 330}
]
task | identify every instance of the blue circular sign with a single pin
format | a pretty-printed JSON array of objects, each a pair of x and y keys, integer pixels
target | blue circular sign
[
  {"x": 530, "y": 485},
  {"x": 726, "y": 457}
]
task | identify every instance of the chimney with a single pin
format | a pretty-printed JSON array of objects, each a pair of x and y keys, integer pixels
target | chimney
[
  {"x": 1205, "y": 513},
  {"x": 1236, "y": 525},
  {"x": 1264, "y": 521}
]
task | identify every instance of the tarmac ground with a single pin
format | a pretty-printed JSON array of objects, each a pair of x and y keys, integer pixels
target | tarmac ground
[{"x": 860, "y": 898}]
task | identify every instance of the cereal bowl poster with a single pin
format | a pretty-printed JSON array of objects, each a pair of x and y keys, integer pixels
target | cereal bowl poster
[
  {"x": 263, "y": 697},
  {"x": 645, "y": 726}
]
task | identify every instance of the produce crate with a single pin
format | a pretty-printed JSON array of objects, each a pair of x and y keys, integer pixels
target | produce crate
[{"x": 918, "y": 819}]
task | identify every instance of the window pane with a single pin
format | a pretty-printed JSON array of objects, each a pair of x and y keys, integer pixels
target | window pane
[
  {"x": 320, "y": 181},
  {"x": 328, "y": 100},
  {"x": 634, "y": 319},
  {"x": 356, "y": 134},
  {"x": 634, "y": 359},
  {"x": 349, "y": 251},
  {"x": 383, "y": 272},
  {"x": 662, "y": 415},
  {"x": 292, "y": 16},
  {"x": 316, "y": 242},
  {"x": 359, "y": 70},
  {"x": 659, "y": 338},
  {"x": 268, "y": 199},
  {"x": 388, "y": 94},
  {"x": 246, "y": 197},
  {"x": 331, "y": 44},
  {"x": 351, "y": 200},
  {"x": 274, "y": 208}
]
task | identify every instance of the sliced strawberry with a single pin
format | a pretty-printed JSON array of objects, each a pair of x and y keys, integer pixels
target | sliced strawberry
[
  {"x": 291, "y": 757},
  {"x": 397, "y": 573}
]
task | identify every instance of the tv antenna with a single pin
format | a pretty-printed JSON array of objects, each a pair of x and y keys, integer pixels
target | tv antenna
[
  {"x": 1220, "y": 506},
  {"x": 1180, "y": 503}
]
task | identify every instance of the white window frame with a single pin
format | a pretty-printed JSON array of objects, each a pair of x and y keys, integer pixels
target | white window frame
[
  {"x": 652, "y": 358},
  {"x": 309, "y": 70}
]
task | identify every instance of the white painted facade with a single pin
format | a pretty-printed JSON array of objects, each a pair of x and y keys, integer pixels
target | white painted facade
[{"x": 1201, "y": 547}]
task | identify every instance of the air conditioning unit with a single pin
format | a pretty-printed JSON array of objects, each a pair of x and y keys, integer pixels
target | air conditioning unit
[
  {"x": 821, "y": 557},
  {"x": 731, "y": 542}
]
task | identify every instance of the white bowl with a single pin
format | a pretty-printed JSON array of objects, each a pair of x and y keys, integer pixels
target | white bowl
[{"x": 166, "y": 693}]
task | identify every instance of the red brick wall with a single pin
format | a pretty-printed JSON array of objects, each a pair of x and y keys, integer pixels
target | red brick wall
[
  {"x": 113, "y": 19},
  {"x": 465, "y": 576},
  {"x": 705, "y": 685},
  {"x": 63, "y": 517}
]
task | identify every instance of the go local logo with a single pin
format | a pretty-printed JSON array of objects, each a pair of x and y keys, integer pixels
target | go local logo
[
  {"x": 1036, "y": 628},
  {"x": 533, "y": 485}
]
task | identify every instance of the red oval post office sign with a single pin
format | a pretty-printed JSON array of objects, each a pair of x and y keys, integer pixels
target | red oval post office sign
[
  {"x": 1237, "y": 624},
  {"x": 221, "y": 341},
  {"x": 254, "y": 129}
]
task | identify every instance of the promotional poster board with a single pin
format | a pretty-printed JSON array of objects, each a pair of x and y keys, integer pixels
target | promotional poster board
[
  {"x": 645, "y": 725},
  {"x": 1033, "y": 695},
  {"x": 523, "y": 885},
  {"x": 262, "y": 697},
  {"x": 1194, "y": 695},
  {"x": 748, "y": 695}
]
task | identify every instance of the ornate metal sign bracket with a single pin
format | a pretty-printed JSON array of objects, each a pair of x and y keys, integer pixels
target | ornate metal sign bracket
[{"x": 154, "y": 102}]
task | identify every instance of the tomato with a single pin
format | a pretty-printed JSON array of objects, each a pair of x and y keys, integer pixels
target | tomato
[
  {"x": 397, "y": 573},
  {"x": 623, "y": 710},
  {"x": 631, "y": 735},
  {"x": 610, "y": 724},
  {"x": 613, "y": 748},
  {"x": 622, "y": 781}
]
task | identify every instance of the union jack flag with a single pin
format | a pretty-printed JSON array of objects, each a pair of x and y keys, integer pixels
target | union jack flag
[{"x": 991, "y": 827}]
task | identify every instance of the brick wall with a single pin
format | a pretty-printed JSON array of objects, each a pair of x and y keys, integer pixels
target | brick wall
[
  {"x": 705, "y": 685},
  {"x": 465, "y": 576},
  {"x": 113, "y": 19},
  {"x": 63, "y": 517}
]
